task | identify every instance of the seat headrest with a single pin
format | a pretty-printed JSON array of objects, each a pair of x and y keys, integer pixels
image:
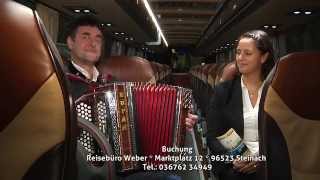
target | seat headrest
[
  {"x": 229, "y": 72},
  {"x": 219, "y": 72},
  {"x": 21, "y": 50},
  {"x": 125, "y": 68},
  {"x": 35, "y": 101},
  {"x": 297, "y": 82}
]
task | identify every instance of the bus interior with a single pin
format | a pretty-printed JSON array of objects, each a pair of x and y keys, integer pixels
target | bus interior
[{"x": 181, "y": 43}]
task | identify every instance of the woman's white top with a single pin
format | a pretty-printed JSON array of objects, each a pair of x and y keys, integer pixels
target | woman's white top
[{"x": 250, "y": 117}]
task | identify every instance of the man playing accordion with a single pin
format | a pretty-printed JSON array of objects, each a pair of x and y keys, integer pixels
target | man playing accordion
[{"x": 85, "y": 41}]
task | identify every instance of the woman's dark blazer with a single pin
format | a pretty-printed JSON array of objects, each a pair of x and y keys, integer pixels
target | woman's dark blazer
[{"x": 225, "y": 111}]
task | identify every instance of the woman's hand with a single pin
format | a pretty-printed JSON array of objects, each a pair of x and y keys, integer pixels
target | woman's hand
[
  {"x": 191, "y": 120},
  {"x": 246, "y": 167}
]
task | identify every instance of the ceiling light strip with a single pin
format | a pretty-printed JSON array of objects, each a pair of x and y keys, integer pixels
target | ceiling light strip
[{"x": 153, "y": 17}]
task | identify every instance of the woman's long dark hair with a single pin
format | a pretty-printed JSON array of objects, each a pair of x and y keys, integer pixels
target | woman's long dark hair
[{"x": 264, "y": 44}]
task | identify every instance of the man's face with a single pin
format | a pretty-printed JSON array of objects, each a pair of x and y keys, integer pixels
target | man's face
[{"x": 86, "y": 45}]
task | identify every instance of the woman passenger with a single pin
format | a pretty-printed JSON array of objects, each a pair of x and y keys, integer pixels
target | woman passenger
[{"x": 235, "y": 104}]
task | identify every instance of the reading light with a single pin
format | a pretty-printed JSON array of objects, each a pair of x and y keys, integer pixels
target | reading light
[
  {"x": 307, "y": 12},
  {"x": 77, "y": 10},
  {"x": 296, "y": 12},
  {"x": 109, "y": 24},
  {"x": 155, "y": 22},
  {"x": 86, "y": 11}
]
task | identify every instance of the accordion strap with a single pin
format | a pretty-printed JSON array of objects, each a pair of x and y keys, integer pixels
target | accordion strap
[{"x": 102, "y": 142}]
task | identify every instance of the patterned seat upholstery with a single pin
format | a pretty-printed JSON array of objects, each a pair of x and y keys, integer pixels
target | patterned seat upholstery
[{"x": 290, "y": 119}]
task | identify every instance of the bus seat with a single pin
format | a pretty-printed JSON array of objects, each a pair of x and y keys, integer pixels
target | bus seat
[
  {"x": 168, "y": 71},
  {"x": 219, "y": 72},
  {"x": 156, "y": 70},
  {"x": 212, "y": 74},
  {"x": 290, "y": 119},
  {"x": 204, "y": 73},
  {"x": 36, "y": 125},
  {"x": 125, "y": 68},
  {"x": 229, "y": 72},
  {"x": 161, "y": 72},
  {"x": 205, "y": 88}
]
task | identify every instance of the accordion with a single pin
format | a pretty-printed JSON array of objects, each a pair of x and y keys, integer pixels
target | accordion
[{"x": 139, "y": 119}]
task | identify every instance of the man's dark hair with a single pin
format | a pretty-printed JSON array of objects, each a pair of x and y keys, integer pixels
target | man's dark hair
[{"x": 85, "y": 20}]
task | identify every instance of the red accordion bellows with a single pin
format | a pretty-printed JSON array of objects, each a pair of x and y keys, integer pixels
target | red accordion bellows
[{"x": 155, "y": 107}]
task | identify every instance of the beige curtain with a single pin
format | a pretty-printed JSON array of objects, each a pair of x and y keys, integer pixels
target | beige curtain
[{"x": 50, "y": 19}]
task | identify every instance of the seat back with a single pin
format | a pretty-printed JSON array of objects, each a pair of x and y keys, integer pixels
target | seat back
[
  {"x": 219, "y": 72},
  {"x": 229, "y": 72},
  {"x": 36, "y": 125},
  {"x": 290, "y": 119},
  {"x": 125, "y": 68},
  {"x": 212, "y": 74}
]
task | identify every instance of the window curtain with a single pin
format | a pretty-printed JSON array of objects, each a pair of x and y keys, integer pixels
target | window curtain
[
  {"x": 131, "y": 51},
  {"x": 117, "y": 49},
  {"x": 50, "y": 19}
]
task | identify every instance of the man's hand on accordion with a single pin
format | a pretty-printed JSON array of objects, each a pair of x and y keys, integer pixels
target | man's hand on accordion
[{"x": 191, "y": 120}]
